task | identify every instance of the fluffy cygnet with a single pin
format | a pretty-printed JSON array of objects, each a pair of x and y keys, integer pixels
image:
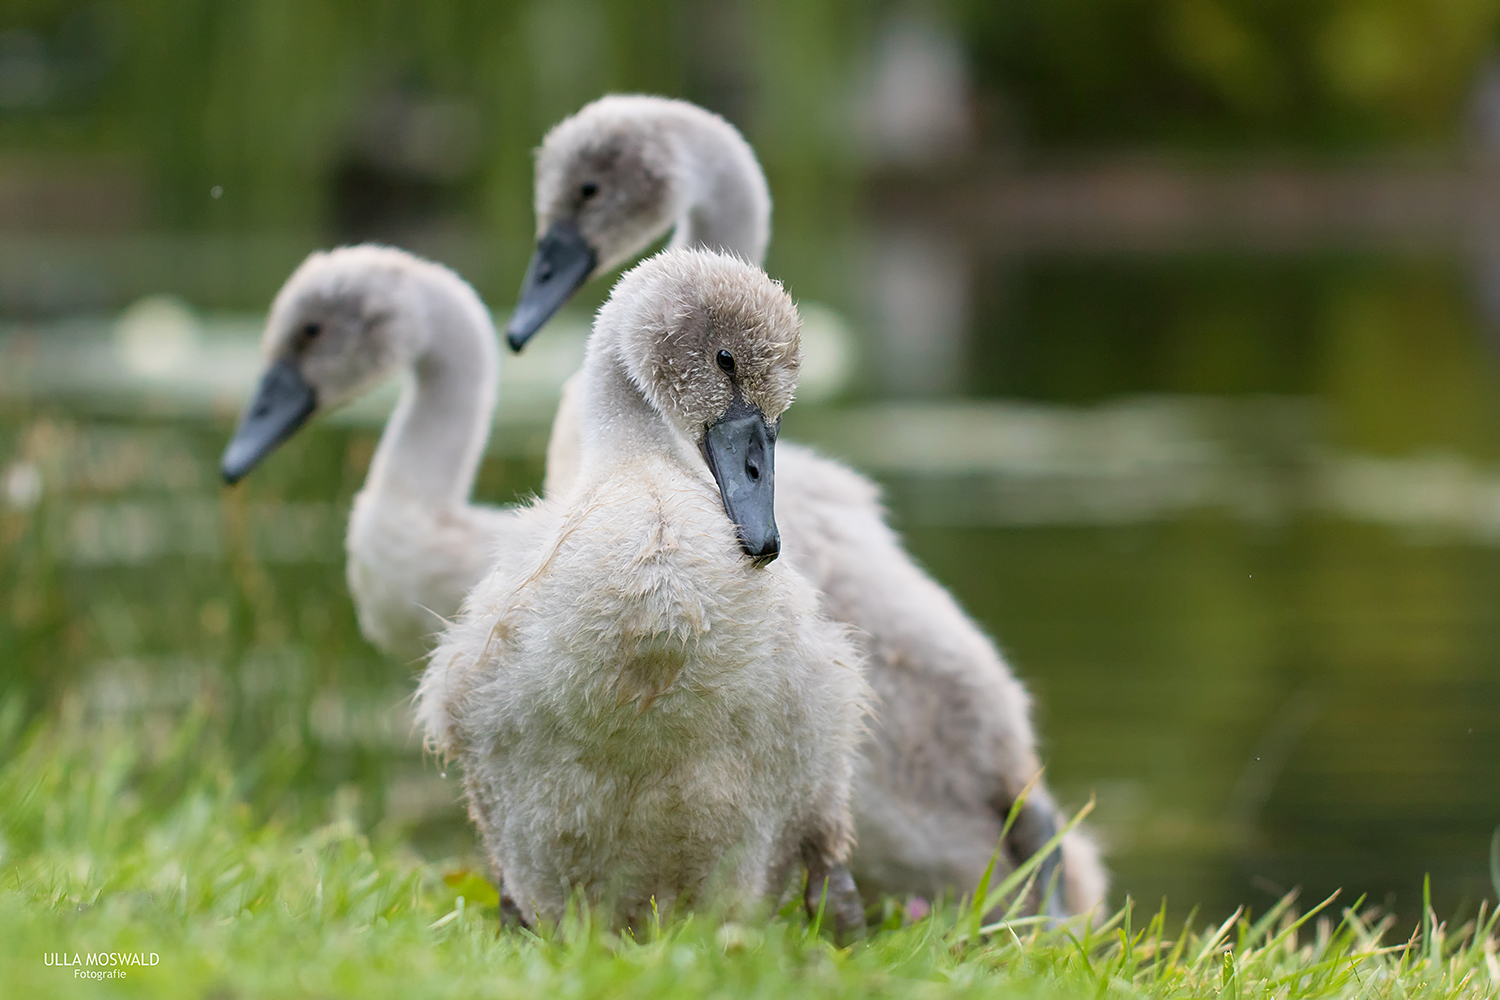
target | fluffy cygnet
[
  {"x": 619, "y": 174},
  {"x": 344, "y": 322},
  {"x": 649, "y": 708}
]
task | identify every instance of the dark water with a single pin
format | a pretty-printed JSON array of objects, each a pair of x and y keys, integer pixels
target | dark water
[
  {"x": 1275, "y": 661},
  {"x": 1256, "y": 710}
]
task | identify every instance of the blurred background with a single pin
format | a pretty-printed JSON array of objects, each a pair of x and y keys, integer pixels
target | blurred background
[{"x": 1169, "y": 326}]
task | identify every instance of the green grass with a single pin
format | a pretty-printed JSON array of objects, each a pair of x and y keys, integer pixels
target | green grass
[{"x": 144, "y": 838}]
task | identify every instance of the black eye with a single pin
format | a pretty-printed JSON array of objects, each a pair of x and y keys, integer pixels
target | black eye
[
  {"x": 311, "y": 330},
  {"x": 589, "y": 190},
  {"x": 726, "y": 361}
]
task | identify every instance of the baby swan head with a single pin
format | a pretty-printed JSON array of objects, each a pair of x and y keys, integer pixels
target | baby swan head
[
  {"x": 619, "y": 174},
  {"x": 604, "y": 191},
  {"x": 713, "y": 345},
  {"x": 343, "y": 322}
]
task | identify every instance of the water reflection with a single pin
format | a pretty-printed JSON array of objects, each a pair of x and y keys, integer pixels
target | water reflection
[
  {"x": 917, "y": 109},
  {"x": 1312, "y": 706},
  {"x": 918, "y": 279}
]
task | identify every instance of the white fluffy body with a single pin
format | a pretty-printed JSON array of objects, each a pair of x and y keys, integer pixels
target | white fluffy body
[
  {"x": 641, "y": 712},
  {"x": 951, "y": 745},
  {"x": 409, "y": 565}
]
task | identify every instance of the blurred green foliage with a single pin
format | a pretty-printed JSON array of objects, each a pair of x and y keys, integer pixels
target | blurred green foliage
[
  {"x": 1316, "y": 75},
  {"x": 262, "y": 97}
]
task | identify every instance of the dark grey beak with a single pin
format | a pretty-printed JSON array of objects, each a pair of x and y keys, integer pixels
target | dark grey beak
[
  {"x": 740, "y": 449},
  {"x": 562, "y": 262},
  {"x": 282, "y": 402}
]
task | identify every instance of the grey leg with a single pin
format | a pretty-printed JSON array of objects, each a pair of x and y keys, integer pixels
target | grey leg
[
  {"x": 832, "y": 887},
  {"x": 510, "y": 913}
]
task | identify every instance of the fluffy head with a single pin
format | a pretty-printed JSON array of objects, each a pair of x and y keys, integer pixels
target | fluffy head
[
  {"x": 612, "y": 168},
  {"x": 347, "y": 319},
  {"x": 694, "y": 328}
]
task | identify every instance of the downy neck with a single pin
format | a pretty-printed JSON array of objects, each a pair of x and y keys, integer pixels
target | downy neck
[
  {"x": 434, "y": 440},
  {"x": 726, "y": 203},
  {"x": 617, "y": 421}
]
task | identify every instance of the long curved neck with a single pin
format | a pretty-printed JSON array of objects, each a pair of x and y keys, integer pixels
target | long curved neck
[
  {"x": 435, "y": 439},
  {"x": 616, "y": 420},
  {"x": 726, "y": 204}
]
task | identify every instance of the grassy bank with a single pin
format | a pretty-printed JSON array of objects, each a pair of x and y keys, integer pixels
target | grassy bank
[{"x": 145, "y": 840}]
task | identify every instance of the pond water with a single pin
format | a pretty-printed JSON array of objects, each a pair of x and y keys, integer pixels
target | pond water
[{"x": 1236, "y": 522}]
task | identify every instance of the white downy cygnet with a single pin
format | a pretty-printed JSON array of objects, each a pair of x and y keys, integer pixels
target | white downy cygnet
[
  {"x": 952, "y": 745},
  {"x": 344, "y": 322},
  {"x": 647, "y": 709}
]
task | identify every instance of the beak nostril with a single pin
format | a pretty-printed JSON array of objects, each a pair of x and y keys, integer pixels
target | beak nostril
[{"x": 753, "y": 471}]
